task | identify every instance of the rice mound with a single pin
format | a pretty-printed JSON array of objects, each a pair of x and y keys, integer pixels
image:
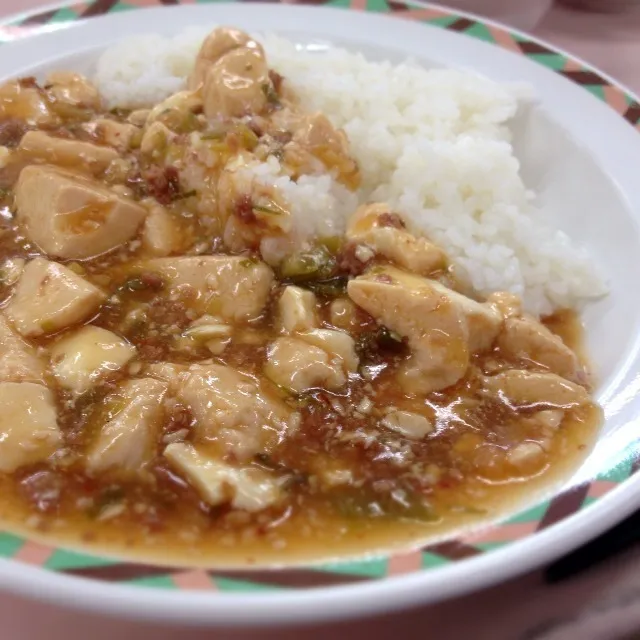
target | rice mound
[{"x": 434, "y": 144}]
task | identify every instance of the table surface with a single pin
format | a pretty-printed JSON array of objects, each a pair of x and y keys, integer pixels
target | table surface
[{"x": 511, "y": 610}]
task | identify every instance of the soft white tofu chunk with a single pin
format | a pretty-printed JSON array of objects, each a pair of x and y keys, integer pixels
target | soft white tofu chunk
[
  {"x": 297, "y": 310},
  {"x": 50, "y": 297},
  {"x": 247, "y": 488},
  {"x": 80, "y": 360},
  {"x": 233, "y": 410},
  {"x": 126, "y": 442},
  {"x": 230, "y": 287},
  {"x": 18, "y": 359},
  {"x": 74, "y": 154},
  {"x": 29, "y": 429},
  {"x": 69, "y": 215}
]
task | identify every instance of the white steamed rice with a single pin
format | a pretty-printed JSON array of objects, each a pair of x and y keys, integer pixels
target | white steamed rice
[{"x": 434, "y": 144}]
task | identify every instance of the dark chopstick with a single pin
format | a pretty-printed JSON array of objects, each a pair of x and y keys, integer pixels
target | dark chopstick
[{"x": 609, "y": 544}]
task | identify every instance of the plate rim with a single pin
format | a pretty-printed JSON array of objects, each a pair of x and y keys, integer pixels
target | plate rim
[{"x": 336, "y": 601}]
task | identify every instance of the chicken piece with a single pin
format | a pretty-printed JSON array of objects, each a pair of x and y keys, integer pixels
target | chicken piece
[
  {"x": 29, "y": 430},
  {"x": 70, "y": 216},
  {"x": 24, "y": 102},
  {"x": 18, "y": 359},
  {"x": 87, "y": 356},
  {"x": 298, "y": 366},
  {"x": 409, "y": 424},
  {"x": 233, "y": 410},
  {"x": 529, "y": 389},
  {"x": 126, "y": 442},
  {"x": 525, "y": 339},
  {"x": 50, "y": 297},
  {"x": 442, "y": 327},
  {"x": 384, "y": 232},
  {"x": 297, "y": 310},
  {"x": 160, "y": 232},
  {"x": 116, "y": 134},
  {"x": 84, "y": 156},
  {"x": 234, "y": 86},
  {"x": 247, "y": 488},
  {"x": 231, "y": 287},
  {"x": 316, "y": 139},
  {"x": 73, "y": 89},
  {"x": 219, "y": 42}
]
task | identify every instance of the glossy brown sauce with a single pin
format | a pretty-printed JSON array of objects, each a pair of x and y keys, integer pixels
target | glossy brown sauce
[
  {"x": 460, "y": 471},
  {"x": 352, "y": 487}
]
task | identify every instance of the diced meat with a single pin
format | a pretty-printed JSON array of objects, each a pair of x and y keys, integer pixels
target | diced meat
[
  {"x": 247, "y": 488},
  {"x": 18, "y": 359},
  {"x": 409, "y": 424},
  {"x": 116, "y": 134},
  {"x": 234, "y": 410},
  {"x": 87, "y": 356},
  {"x": 126, "y": 442},
  {"x": 218, "y": 42},
  {"x": 73, "y": 89},
  {"x": 70, "y": 216},
  {"x": 234, "y": 85},
  {"x": 436, "y": 328},
  {"x": 159, "y": 233},
  {"x": 74, "y": 154},
  {"x": 231, "y": 287},
  {"x": 50, "y": 297},
  {"x": 376, "y": 226},
  {"x": 26, "y": 436},
  {"x": 297, "y": 310},
  {"x": 530, "y": 389},
  {"x": 525, "y": 339}
]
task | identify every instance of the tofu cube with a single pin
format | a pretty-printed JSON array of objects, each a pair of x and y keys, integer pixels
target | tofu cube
[
  {"x": 49, "y": 297},
  {"x": 87, "y": 356},
  {"x": 29, "y": 430}
]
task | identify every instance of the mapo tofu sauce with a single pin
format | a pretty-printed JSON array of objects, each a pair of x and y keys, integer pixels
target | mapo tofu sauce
[{"x": 184, "y": 378}]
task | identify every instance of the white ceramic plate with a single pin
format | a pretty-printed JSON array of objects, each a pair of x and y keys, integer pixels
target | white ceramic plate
[{"x": 578, "y": 148}]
